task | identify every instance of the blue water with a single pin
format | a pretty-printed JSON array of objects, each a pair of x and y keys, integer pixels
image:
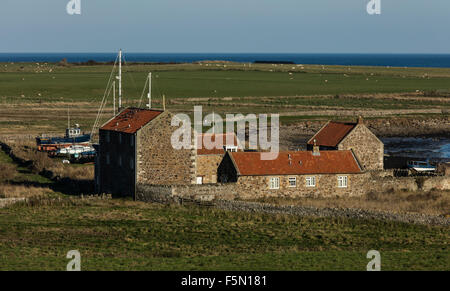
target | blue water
[
  {"x": 429, "y": 148},
  {"x": 393, "y": 60}
]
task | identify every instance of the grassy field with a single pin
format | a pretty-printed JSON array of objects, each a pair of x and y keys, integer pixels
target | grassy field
[
  {"x": 124, "y": 235},
  {"x": 35, "y": 98},
  {"x": 51, "y": 83}
]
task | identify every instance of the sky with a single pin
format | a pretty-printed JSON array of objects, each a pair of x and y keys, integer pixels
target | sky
[{"x": 226, "y": 26}]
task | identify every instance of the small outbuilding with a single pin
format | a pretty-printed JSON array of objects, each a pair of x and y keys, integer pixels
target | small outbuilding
[{"x": 369, "y": 150}]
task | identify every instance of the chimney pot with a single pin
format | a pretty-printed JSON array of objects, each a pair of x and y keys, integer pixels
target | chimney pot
[{"x": 316, "y": 149}]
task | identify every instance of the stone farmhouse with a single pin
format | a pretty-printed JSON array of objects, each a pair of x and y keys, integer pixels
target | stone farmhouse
[
  {"x": 208, "y": 160},
  {"x": 293, "y": 174},
  {"x": 135, "y": 148},
  {"x": 368, "y": 149}
]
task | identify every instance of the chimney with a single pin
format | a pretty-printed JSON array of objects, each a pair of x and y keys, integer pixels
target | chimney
[
  {"x": 360, "y": 120},
  {"x": 316, "y": 149}
]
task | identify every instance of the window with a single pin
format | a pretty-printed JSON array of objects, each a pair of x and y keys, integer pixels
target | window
[
  {"x": 199, "y": 180},
  {"x": 131, "y": 164},
  {"x": 342, "y": 181},
  {"x": 310, "y": 181},
  {"x": 107, "y": 159},
  {"x": 292, "y": 182},
  {"x": 274, "y": 183},
  {"x": 232, "y": 149}
]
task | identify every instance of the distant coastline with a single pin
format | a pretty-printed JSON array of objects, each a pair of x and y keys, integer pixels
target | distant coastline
[{"x": 393, "y": 60}]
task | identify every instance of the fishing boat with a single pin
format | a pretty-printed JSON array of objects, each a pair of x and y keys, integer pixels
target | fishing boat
[
  {"x": 73, "y": 136},
  {"x": 420, "y": 166}
]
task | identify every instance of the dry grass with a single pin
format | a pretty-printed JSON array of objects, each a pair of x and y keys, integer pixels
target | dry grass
[
  {"x": 26, "y": 150},
  {"x": 20, "y": 191},
  {"x": 73, "y": 172},
  {"x": 7, "y": 172},
  {"x": 435, "y": 202}
]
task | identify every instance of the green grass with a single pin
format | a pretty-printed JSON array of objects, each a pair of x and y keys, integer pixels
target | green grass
[
  {"x": 121, "y": 235},
  {"x": 88, "y": 83},
  {"x": 24, "y": 174}
]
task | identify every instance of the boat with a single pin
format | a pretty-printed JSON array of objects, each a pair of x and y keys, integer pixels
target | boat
[
  {"x": 421, "y": 166},
  {"x": 73, "y": 136},
  {"x": 75, "y": 150}
]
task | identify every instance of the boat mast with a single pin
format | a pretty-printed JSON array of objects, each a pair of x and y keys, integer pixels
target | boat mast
[
  {"x": 149, "y": 91},
  {"x": 120, "y": 79},
  {"x": 68, "y": 117},
  {"x": 114, "y": 98}
]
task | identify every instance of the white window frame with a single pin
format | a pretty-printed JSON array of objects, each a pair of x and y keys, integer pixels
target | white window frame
[
  {"x": 310, "y": 181},
  {"x": 342, "y": 181},
  {"x": 232, "y": 149},
  {"x": 274, "y": 183},
  {"x": 292, "y": 179}
]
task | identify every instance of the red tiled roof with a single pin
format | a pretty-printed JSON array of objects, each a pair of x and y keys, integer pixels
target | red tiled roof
[
  {"x": 130, "y": 120},
  {"x": 296, "y": 163},
  {"x": 221, "y": 138},
  {"x": 332, "y": 134}
]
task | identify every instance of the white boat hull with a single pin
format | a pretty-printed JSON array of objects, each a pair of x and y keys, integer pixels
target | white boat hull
[{"x": 424, "y": 169}]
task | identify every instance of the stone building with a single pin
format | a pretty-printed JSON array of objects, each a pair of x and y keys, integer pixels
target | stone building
[
  {"x": 294, "y": 174},
  {"x": 369, "y": 150},
  {"x": 208, "y": 160},
  {"x": 135, "y": 148}
]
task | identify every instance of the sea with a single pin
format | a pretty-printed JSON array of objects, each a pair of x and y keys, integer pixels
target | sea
[{"x": 387, "y": 60}]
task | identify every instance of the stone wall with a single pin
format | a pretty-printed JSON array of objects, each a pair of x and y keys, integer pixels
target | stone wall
[
  {"x": 326, "y": 186},
  {"x": 10, "y": 201},
  {"x": 158, "y": 162},
  {"x": 173, "y": 193},
  {"x": 258, "y": 187},
  {"x": 367, "y": 147},
  {"x": 207, "y": 167},
  {"x": 440, "y": 183}
]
